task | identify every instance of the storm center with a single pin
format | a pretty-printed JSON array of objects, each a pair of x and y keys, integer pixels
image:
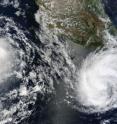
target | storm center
[{"x": 6, "y": 59}]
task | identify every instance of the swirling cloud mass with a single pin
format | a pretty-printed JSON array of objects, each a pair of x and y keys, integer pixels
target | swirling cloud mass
[{"x": 97, "y": 88}]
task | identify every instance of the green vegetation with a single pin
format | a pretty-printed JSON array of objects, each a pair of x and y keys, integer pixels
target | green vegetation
[{"x": 80, "y": 20}]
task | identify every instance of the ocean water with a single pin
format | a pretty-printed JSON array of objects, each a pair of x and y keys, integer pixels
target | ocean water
[{"x": 47, "y": 79}]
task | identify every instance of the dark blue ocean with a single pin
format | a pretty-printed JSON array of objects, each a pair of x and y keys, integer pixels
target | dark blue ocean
[{"x": 17, "y": 22}]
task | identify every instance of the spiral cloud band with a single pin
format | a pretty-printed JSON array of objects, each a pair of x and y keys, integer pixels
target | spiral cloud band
[
  {"x": 97, "y": 88},
  {"x": 7, "y": 61}
]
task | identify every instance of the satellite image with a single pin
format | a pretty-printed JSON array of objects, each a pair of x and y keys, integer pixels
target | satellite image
[{"x": 58, "y": 61}]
